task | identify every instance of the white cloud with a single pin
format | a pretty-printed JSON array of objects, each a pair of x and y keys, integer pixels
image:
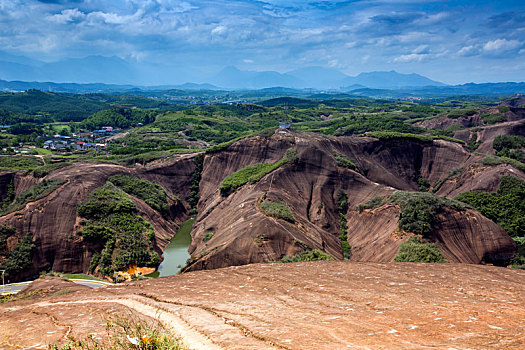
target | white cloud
[
  {"x": 413, "y": 57},
  {"x": 470, "y": 50},
  {"x": 219, "y": 30},
  {"x": 69, "y": 15},
  {"x": 499, "y": 45}
]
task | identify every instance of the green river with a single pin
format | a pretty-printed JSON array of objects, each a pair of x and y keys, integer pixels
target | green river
[{"x": 176, "y": 253}]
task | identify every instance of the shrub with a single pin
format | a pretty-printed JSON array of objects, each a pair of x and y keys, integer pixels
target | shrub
[
  {"x": 193, "y": 198},
  {"x": 372, "y": 203},
  {"x": 208, "y": 236},
  {"x": 344, "y": 162},
  {"x": 342, "y": 207},
  {"x": 457, "y": 113},
  {"x": 423, "y": 183},
  {"x": 503, "y": 109},
  {"x": 493, "y": 118},
  {"x": 127, "y": 237},
  {"x": 392, "y": 135},
  {"x": 495, "y": 160},
  {"x": 418, "y": 209},
  {"x": 130, "y": 332},
  {"x": 38, "y": 191},
  {"x": 44, "y": 170},
  {"x": 20, "y": 162},
  {"x": 505, "y": 207},
  {"x": 415, "y": 250},
  {"x": 5, "y": 233},
  {"x": 307, "y": 255},
  {"x": 254, "y": 173},
  {"x": 151, "y": 193},
  {"x": 277, "y": 210},
  {"x": 20, "y": 258},
  {"x": 105, "y": 201}
]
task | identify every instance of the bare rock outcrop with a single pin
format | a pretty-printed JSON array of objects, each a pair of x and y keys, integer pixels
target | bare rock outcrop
[{"x": 243, "y": 234}]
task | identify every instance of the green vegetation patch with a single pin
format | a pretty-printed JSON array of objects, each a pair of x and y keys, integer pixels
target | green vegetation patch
[
  {"x": 21, "y": 258},
  {"x": 151, "y": 193},
  {"x": 125, "y": 333},
  {"x": 495, "y": 160},
  {"x": 451, "y": 175},
  {"x": 344, "y": 162},
  {"x": 458, "y": 113},
  {"x": 415, "y": 250},
  {"x": 254, "y": 173},
  {"x": 510, "y": 146},
  {"x": 38, "y": 191},
  {"x": 506, "y": 207},
  {"x": 45, "y": 170},
  {"x": 193, "y": 198},
  {"x": 307, "y": 255},
  {"x": 112, "y": 220},
  {"x": 393, "y": 135},
  {"x": 207, "y": 236},
  {"x": 342, "y": 208},
  {"x": 19, "y": 162},
  {"x": 277, "y": 210},
  {"x": 418, "y": 209},
  {"x": 5, "y": 233},
  {"x": 493, "y": 118},
  {"x": 119, "y": 118}
]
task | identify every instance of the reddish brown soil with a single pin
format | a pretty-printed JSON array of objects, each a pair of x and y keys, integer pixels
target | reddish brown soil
[{"x": 321, "y": 305}]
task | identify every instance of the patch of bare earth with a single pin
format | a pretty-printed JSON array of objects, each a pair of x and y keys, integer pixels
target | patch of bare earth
[{"x": 320, "y": 305}]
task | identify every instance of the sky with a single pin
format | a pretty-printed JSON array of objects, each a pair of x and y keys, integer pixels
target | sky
[{"x": 449, "y": 41}]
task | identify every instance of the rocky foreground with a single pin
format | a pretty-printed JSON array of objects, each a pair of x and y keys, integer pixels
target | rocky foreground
[{"x": 318, "y": 305}]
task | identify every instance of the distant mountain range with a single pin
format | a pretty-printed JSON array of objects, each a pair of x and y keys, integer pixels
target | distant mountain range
[
  {"x": 318, "y": 78},
  {"x": 113, "y": 74},
  {"x": 114, "y": 70}
]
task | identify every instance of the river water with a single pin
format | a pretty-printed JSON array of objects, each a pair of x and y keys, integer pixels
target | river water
[{"x": 176, "y": 253}]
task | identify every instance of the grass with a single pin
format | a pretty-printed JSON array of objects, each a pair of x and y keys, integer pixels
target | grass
[
  {"x": 125, "y": 333},
  {"x": 82, "y": 276},
  {"x": 43, "y": 151}
]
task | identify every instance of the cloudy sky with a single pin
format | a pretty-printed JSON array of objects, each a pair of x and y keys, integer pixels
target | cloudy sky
[{"x": 450, "y": 41}]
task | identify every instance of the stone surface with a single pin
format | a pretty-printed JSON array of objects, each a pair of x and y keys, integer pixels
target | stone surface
[{"x": 319, "y": 305}]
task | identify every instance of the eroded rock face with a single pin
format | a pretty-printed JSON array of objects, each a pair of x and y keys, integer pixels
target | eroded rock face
[
  {"x": 244, "y": 234},
  {"x": 462, "y": 236},
  {"x": 53, "y": 220}
]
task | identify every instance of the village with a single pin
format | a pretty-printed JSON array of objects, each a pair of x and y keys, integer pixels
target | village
[{"x": 81, "y": 141}]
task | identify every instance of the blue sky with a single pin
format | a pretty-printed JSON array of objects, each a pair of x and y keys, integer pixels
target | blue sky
[{"x": 449, "y": 41}]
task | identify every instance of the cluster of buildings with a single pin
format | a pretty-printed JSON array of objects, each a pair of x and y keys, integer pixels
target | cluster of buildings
[{"x": 80, "y": 142}]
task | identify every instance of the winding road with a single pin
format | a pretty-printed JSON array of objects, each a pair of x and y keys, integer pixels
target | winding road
[{"x": 14, "y": 288}]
